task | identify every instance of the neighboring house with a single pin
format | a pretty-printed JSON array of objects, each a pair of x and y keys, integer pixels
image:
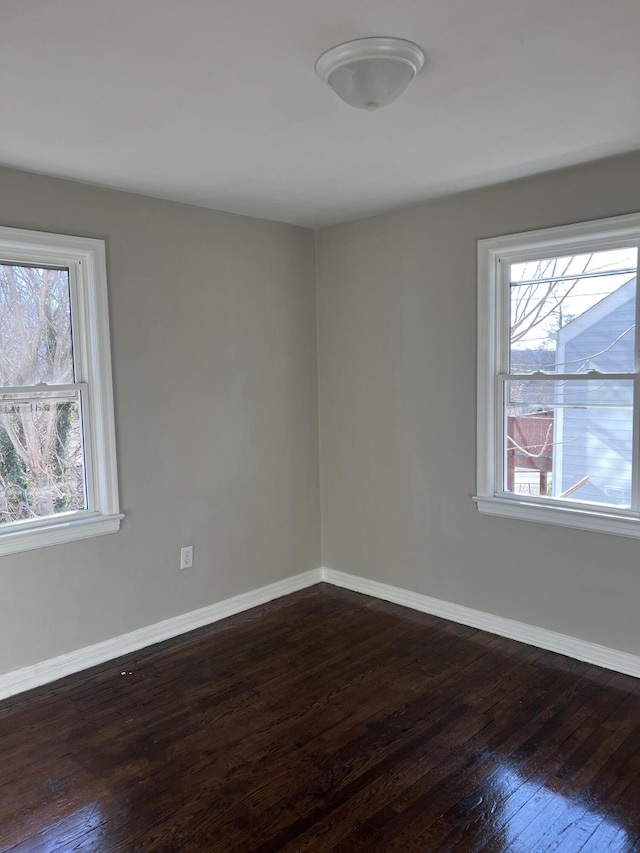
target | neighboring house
[{"x": 592, "y": 425}]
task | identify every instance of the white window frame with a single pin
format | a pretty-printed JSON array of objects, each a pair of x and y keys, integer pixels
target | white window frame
[
  {"x": 494, "y": 258},
  {"x": 86, "y": 261}
]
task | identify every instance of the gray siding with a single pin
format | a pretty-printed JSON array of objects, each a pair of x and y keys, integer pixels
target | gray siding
[{"x": 595, "y": 419}]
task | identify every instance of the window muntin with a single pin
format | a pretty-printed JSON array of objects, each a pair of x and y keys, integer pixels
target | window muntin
[
  {"x": 58, "y": 478},
  {"x": 558, "y": 382}
]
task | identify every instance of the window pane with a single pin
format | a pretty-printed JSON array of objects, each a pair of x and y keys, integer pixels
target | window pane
[
  {"x": 575, "y": 313},
  {"x": 35, "y": 326},
  {"x": 570, "y": 440},
  {"x": 41, "y": 459}
]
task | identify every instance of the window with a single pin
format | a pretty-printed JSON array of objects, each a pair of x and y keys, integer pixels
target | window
[
  {"x": 57, "y": 446},
  {"x": 558, "y": 376}
]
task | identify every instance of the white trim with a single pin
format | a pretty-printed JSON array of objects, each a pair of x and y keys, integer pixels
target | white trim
[
  {"x": 58, "y": 532},
  {"x": 494, "y": 256},
  {"x": 51, "y": 670},
  {"x": 596, "y": 520},
  {"x": 597, "y": 233},
  {"x": 524, "y": 633},
  {"x": 85, "y": 258}
]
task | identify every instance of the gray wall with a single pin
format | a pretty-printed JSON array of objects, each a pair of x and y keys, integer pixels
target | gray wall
[
  {"x": 213, "y": 333},
  {"x": 397, "y": 390}
]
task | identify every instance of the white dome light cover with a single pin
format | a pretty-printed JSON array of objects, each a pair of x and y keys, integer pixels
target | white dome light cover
[{"x": 370, "y": 73}]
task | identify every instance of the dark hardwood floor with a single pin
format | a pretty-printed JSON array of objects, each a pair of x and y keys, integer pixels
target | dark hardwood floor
[{"x": 325, "y": 721}]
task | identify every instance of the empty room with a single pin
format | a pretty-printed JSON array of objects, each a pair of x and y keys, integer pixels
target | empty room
[{"x": 319, "y": 426}]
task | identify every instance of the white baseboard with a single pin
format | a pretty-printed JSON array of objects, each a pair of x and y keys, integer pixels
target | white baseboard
[
  {"x": 67, "y": 664},
  {"x": 540, "y": 637},
  {"x": 51, "y": 670}
]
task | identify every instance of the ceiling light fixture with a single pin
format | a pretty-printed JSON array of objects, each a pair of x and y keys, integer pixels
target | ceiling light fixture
[{"x": 370, "y": 73}]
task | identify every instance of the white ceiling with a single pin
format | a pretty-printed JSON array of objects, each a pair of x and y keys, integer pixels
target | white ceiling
[{"x": 215, "y": 102}]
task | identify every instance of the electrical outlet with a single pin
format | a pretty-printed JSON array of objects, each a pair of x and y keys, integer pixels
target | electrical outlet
[{"x": 186, "y": 557}]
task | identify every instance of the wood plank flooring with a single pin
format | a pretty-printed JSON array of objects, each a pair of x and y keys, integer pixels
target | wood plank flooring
[{"x": 325, "y": 721}]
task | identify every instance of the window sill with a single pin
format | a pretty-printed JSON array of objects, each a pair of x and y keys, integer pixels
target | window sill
[
  {"x": 597, "y": 520},
  {"x": 58, "y": 533}
]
